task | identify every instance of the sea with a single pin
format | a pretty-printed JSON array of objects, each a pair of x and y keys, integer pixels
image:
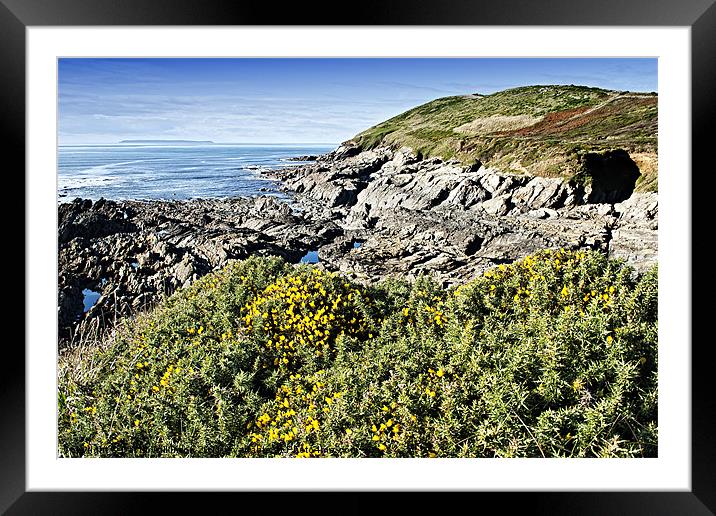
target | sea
[{"x": 173, "y": 172}]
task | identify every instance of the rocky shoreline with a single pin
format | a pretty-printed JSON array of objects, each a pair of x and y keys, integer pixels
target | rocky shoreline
[{"x": 369, "y": 214}]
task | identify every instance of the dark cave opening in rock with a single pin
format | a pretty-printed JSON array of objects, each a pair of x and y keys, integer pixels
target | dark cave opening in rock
[{"x": 612, "y": 176}]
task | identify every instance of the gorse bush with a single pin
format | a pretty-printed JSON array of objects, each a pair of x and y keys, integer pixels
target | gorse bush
[{"x": 554, "y": 356}]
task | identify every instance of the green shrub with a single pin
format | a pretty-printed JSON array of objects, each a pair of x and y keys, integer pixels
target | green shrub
[{"x": 554, "y": 355}]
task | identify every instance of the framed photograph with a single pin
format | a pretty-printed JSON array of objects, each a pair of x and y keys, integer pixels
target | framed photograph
[{"x": 427, "y": 250}]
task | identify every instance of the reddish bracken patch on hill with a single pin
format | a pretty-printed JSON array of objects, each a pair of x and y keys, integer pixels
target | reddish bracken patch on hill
[
  {"x": 551, "y": 123},
  {"x": 564, "y": 121}
]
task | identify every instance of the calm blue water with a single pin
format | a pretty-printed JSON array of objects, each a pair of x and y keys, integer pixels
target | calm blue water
[
  {"x": 89, "y": 298},
  {"x": 127, "y": 171},
  {"x": 310, "y": 257}
]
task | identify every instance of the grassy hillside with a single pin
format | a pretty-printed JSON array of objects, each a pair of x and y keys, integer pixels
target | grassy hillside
[
  {"x": 554, "y": 355},
  {"x": 538, "y": 130}
]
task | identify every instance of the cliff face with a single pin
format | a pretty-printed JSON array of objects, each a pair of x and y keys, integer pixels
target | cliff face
[{"x": 545, "y": 131}]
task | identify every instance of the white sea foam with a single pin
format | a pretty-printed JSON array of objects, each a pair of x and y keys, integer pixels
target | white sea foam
[
  {"x": 101, "y": 169},
  {"x": 172, "y": 172},
  {"x": 87, "y": 182}
]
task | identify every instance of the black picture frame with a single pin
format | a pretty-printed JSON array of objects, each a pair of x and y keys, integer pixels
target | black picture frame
[{"x": 699, "y": 15}]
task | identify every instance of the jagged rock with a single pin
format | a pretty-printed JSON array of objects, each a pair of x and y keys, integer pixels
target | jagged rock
[
  {"x": 345, "y": 151},
  {"x": 404, "y": 156},
  {"x": 305, "y": 157},
  {"x": 467, "y": 193},
  {"x": 543, "y": 213},
  {"x": 82, "y": 218},
  {"x": 497, "y": 206},
  {"x": 635, "y": 245},
  {"x": 184, "y": 270},
  {"x": 269, "y": 205},
  {"x": 640, "y": 206},
  {"x": 542, "y": 192}
]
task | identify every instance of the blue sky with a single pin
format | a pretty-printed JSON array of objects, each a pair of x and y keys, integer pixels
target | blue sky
[{"x": 293, "y": 100}]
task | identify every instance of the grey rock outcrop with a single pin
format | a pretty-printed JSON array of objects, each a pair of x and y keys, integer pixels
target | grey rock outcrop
[{"x": 453, "y": 221}]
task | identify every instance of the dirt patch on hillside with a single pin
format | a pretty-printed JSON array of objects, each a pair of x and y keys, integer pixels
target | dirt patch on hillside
[
  {"x": 497, "y": 123},
  {"x": 648, "y": 163}
]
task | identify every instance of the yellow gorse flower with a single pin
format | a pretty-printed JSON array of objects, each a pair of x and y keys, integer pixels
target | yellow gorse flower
[{"x": 304, "y": 311}]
